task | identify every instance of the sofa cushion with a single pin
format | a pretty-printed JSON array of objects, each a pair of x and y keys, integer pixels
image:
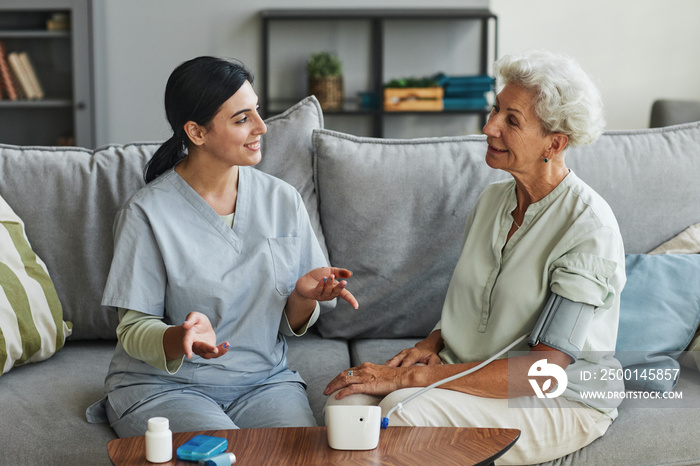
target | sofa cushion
[
  {"x": 686, "y": 242},
  {"x": 317, "y": 360},
  {"x": 288, "y": 155},
  {"x": 43, "y": 408},
  {"x": 393, "y": 212},
  {"x": 648, "y": 432},
  {"x": 659, "y": 314},
  {"x": 67, "y": 198},
  {"x": 31, "y": 318},
  {"x": 649, "y": 177},
  {"x": 378, "y": 350},
  {"x": 667, "y": 112}
]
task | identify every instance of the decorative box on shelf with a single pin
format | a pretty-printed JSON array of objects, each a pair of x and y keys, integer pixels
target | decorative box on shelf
[{"x": 416, "y": 99}]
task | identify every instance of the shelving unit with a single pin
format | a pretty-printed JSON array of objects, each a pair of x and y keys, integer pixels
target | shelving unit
[
  {"x": 63, "y": 64},
  {"x": 373, "y": 22}
]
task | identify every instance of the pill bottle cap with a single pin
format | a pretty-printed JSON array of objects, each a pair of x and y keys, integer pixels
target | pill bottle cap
[{"x": 158, "y": 424}]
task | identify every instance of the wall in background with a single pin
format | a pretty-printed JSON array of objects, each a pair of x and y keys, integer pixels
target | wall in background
[
  {"x": 138, "y": 44},
  {"x": 636, "y": 52}
]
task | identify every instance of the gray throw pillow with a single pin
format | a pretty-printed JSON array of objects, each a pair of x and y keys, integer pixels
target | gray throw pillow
[
  {"x": 393, "y": 212},
  {"x": 648, "y": 176},
  {"x": 67, "y": 198},
  {"x": 287, "y": 154}
]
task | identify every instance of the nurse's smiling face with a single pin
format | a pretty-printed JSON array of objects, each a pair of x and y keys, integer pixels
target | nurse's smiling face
[{"x": 232, "y": 137}]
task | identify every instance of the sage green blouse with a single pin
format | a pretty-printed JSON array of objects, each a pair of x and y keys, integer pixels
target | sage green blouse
[{"x": 569, "y": 243}]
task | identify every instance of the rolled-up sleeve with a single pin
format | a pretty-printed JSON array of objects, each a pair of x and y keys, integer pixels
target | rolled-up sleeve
[{"x": 586, "y": 273}]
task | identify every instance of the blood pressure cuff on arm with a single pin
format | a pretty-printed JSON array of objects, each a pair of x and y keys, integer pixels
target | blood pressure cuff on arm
[{"x": 563, "y": 325}]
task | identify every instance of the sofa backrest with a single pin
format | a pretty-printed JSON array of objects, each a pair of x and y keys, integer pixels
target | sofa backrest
[
  {"x": 650, "y": 178},
  {"x": 394, "y": 210},
  {"x": 67, "y": 198}
]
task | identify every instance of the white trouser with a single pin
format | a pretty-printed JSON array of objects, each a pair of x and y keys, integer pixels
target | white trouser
[{"x": 550, "y": 428}]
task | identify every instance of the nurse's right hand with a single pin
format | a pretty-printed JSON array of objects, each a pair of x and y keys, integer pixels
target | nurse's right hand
[{"x": 194, "y": 336}]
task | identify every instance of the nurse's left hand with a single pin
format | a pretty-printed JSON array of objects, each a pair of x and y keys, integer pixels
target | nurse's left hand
[
  {"x": 322, "y": 284},
  {"x": 199, "y": 338}
]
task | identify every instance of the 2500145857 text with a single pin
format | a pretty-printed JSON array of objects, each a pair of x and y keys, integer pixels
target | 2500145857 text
[{"x": 631, "y": 374}]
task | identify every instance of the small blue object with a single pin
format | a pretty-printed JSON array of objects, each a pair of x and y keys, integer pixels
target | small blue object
[
  {"x": 200, "y": 447},
  {"x": 385, "y": 422},
  {"x": 224, "y": 459}
]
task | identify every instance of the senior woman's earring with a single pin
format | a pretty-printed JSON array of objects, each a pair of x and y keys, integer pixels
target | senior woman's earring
[{"x": 546, "y": 160}]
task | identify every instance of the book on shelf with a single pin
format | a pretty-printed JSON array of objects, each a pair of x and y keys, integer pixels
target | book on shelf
[
  {"x": 473, "y": 82},
  {"x": 17, "y": 86},
  {"x": 465, "y": 103},
  {"x": 31, "y": 71},
  {"x": 6, "y": 81},
  {"x": 24, "y": 71},
  {"x": 18, "y": 70},
  {"x": 465, "y": 92}
]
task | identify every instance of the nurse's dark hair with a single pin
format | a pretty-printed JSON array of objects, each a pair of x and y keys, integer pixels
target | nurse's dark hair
[{"x": 195, "y": 91}]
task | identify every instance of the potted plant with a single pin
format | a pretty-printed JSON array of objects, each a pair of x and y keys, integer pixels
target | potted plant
[{"x": 325, "y": 72}]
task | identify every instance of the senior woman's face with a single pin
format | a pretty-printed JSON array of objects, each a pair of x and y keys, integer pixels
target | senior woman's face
[{"x": 516, "y": 140}]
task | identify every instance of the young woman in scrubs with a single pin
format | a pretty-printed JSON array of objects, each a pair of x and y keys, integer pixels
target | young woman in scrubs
[{"x": 214, "y": 261}]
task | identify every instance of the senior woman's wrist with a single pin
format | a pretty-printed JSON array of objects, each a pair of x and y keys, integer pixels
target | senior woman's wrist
[
  {"x": 414, "y": 376},
  {"x": 432, "y": 342}
]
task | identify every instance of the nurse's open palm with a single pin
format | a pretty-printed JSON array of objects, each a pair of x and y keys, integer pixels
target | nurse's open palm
[
  {"x": 200, "y": 338},
  {"x": 323, "y": 284}
]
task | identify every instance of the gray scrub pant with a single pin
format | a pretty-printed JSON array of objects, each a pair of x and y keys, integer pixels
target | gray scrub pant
[{"x": 212, "y": 408}]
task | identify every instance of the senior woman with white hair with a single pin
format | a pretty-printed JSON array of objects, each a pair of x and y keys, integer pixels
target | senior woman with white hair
[{"x": 541, "y": 243}]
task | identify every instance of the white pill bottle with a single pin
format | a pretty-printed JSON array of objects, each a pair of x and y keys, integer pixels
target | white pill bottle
[{"x": 159, "y": 440}]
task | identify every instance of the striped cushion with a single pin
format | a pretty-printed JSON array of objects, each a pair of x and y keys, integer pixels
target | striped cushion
[{"x": 31, "y": 318}]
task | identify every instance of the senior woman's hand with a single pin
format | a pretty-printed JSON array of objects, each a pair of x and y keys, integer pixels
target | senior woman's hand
[
  {"x": 424, "y": 352},
  {"x": 413, "y": 356},
  {"x": 372, "y": 379}
]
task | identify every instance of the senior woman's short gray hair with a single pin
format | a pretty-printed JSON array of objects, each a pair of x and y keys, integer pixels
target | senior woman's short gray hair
[{"x": 567, "y": 101}]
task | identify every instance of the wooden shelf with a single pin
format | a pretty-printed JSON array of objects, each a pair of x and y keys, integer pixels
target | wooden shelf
[
  {"x": 372, "y": 13},
  {"x": 376, "y": 18},
  {"x": 62, "y": 60},
  {"x": 43, "y": 103},
  {"x": 29, "y": 34}
]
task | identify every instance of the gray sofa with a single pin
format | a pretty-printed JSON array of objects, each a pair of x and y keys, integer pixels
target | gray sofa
[{"x": 390, "y": 210}]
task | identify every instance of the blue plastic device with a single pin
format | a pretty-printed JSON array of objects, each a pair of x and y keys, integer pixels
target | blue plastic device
[{"x": 200, "y": 447}]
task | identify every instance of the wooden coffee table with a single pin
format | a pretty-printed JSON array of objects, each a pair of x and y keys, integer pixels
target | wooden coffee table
[{"x": 309, "y": 446}]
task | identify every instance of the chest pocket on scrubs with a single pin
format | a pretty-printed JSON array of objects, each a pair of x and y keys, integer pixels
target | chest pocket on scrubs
[{"x": 285, "y": 260}]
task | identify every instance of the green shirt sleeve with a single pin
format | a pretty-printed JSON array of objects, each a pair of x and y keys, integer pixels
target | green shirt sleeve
[
  {"x": 141, "y": 335},
  {"x": 286, "y": 329}
]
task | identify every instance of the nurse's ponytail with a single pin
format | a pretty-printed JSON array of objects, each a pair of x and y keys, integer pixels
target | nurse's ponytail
[
  {"x": 195, "y": 91},
  {"x": 166, "y": 157}
]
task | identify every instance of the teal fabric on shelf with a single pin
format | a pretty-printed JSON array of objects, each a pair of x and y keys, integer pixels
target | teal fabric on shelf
[{"x": 659, "y": 314}]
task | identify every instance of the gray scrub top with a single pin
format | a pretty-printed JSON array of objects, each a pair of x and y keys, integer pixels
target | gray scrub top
[{"x": 173, "y": 254}]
